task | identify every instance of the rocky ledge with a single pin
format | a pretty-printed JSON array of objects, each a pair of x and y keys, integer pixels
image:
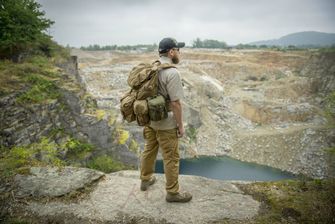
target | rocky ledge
[{"x": 44, "y": 196}]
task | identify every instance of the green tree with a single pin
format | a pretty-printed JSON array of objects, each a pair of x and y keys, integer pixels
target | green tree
[
  {"x": 198, "y": 43},
  {"x": 22, "y": 28},
  {"x": 214, "y": 44}
]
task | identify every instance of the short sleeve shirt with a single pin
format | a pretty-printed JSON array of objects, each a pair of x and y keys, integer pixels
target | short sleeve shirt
[{"x": 170, "y": 86}]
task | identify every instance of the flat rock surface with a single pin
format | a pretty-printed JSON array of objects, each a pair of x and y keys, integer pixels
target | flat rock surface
[
  {"x": 117, "y": 198},
  {"x": 51, "y": 182}
]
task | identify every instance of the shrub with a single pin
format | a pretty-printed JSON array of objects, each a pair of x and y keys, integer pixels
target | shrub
[
  {"x": 77, "y": 149},
  {"x": 112, "y": 118},
  {"x": 133, "y": 146},
  {"x": 47, "y": 152},
  {"x": 330, "y": 150},
  {"x": 122, "y": 136},
  {"x": 330, "y": 105},
  {"x": 251, "y": 77},
  {"x": 191, "y": 132},
  {"x": 100, "y": 114},
  {"x": 263, "y": 78},
  {"x": 40, "y": 153},
  {"x": 16, "y": 158},
  {"x": 105, "y": 164}
]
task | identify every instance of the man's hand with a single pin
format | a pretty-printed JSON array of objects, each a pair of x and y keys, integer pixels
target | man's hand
[
  {"x": 181, "y": 131},
  {"x": 177, "y": 112}
]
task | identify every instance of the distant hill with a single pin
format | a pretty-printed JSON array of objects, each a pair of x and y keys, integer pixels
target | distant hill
[{"x": 307, "y": 38}]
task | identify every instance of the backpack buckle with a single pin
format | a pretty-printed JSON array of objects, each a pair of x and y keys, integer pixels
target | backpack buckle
[{"x": 154, "y": 68}]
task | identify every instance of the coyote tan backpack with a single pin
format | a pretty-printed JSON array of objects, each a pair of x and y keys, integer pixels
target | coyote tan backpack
[{"x": 143, "y": 80}]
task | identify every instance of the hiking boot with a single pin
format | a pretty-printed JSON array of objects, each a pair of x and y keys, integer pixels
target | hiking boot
[
  {"x": 180, "y": 197},
  {"x": 146, "y": 183}
]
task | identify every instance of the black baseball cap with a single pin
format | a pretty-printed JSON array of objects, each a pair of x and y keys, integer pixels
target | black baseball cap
[{"x": 168, "y": 43}]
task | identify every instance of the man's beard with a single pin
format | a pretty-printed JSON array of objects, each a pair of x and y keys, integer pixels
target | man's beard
[{"x": 175, "y": 60}]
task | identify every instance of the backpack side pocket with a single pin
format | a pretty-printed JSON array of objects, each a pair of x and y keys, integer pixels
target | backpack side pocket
[
  {"x": 126, "y": 107},
  {"x": 157, "y": 108},
  {"x": 141, "y": 112}
]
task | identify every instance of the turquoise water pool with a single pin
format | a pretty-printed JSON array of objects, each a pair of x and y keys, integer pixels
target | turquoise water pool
[{"x": 226, "y": 168}]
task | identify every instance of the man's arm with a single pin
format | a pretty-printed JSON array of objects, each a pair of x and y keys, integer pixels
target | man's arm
[{"x": 178, "y": 114}]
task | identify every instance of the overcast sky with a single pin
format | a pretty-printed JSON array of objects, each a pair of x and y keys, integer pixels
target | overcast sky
[{"x": 122, "y": 22}]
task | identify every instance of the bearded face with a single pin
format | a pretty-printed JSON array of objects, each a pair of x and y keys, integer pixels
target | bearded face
[{"x": 175, "y": 59}]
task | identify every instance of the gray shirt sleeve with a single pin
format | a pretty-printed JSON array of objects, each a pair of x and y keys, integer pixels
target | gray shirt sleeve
[{"x": 174, "y": 85}]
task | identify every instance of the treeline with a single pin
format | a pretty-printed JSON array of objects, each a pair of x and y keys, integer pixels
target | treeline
[
  {"x": 23, "y": 31},
  {"x": 198, "y": 43},
  {"x": 269, "y": 47},
  {"x": 142, "y": 47},
  {"x": 289, "y": 47}
]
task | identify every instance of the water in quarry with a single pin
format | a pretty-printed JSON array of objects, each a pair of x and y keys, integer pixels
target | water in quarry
[{"x": 226, "y": 168}]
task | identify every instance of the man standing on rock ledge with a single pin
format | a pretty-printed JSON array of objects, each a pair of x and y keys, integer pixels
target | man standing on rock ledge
[{"x": 165, "y": 133}]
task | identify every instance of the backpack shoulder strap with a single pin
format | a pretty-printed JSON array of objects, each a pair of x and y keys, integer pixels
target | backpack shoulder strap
[
  {"x": 166, "y": 65},
  {"x": 157, "y": 65}
]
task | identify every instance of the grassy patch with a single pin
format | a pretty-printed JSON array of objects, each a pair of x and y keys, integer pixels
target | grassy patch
[
  {"x": 12, "y": 220},
  {"x": 16, "y": 76},
  {"x": 331, "y": 150},
  {"x": 105, "y": 164},
  {"x": 37, "y": 74},
  {"x": 47, "y": 152},
  {"x": 40, "y": 91},
  {"x": 77, "y": 150},
  {"x": 38, "y": 61},
  {"x": 42, "y": 153},
  {"x": 18, "y": 159},
  {"x": 191, "y": 133},
  {"x": 294, "y": 201},
  {"x": 327, "y": 50},
  {"x": 11, "y": 76}
]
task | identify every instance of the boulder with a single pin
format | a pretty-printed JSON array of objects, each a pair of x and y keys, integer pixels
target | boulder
[{"x": 53, "y": 182}]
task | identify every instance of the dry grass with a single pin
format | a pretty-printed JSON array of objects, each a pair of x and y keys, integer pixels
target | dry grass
[{"x": 294, "y": 201}]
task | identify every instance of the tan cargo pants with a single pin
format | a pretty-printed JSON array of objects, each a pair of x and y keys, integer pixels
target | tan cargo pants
[{"x": 167, "y": 140}]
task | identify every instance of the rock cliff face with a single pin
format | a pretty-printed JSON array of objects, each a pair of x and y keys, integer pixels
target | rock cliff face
[
  {"x": 257, "y": 106},
  {"x": 116, "y": 198},
  {"x": 25, "y": 124},
  {"x": 21, "y": 125},
  {"x": 321, "y": 71}
]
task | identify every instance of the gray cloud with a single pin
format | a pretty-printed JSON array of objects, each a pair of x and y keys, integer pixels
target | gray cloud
[{"x": 83, "y": 22}]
